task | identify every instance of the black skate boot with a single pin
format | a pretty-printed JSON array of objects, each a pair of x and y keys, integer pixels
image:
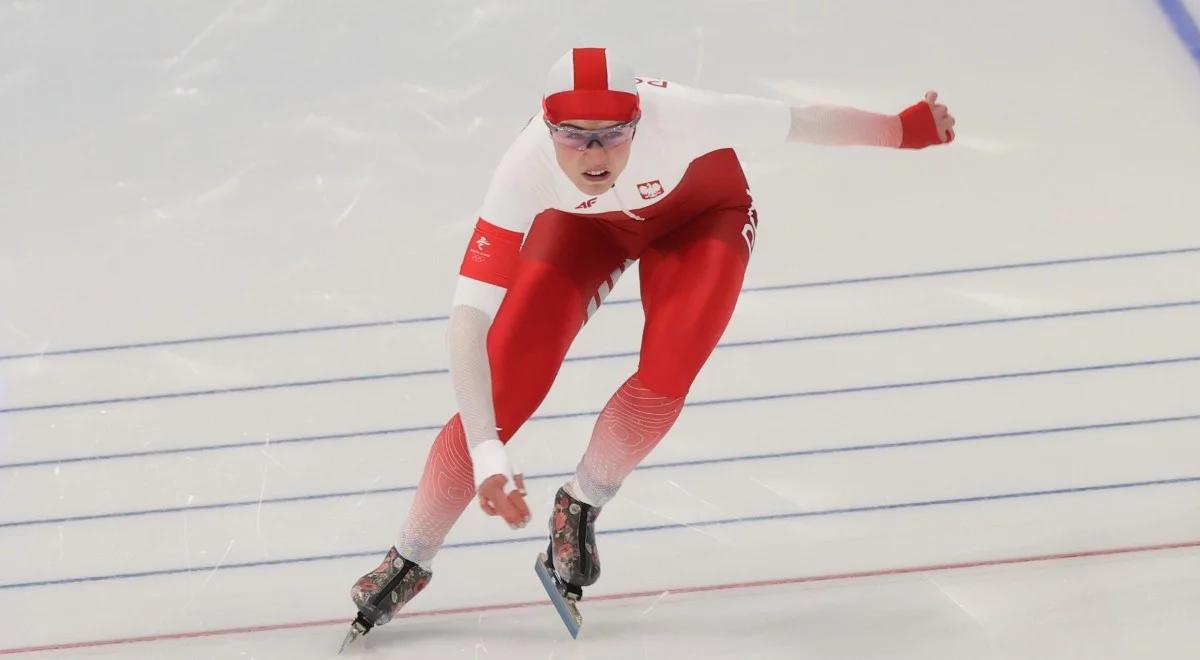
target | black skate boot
[
  {"x": 571, "y": 561},
  {"x": 382, "y": 592}
]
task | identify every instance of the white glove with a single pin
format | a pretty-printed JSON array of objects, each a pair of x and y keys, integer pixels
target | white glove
[
  {"x": 490, "y": 458},
  {"x": 500, "y": 492}
]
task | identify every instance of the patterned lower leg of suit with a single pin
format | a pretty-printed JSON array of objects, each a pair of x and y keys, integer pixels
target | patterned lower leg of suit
[
  {"x": 629, "y": 427},
  {"x": 446, "y": 488}
]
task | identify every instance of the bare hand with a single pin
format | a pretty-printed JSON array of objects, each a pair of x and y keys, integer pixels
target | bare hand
[
  {"x": 941, "y": 117},
  {"x": 510, "y": 507}
]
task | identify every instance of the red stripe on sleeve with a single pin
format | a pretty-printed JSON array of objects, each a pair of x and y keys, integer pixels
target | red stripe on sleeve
[
  {"x": 492, "y": 254},
  {"x": 591, "y": 68}
]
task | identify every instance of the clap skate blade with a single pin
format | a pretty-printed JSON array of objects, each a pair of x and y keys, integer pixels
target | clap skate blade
[{"x": 565, "y": 597}]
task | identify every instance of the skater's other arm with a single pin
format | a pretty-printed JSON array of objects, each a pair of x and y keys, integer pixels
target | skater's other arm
[
  {"x": 745, "y": 122},
  {"x": 924, "y": 124}
]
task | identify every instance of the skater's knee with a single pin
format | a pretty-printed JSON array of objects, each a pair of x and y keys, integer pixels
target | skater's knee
[
  {"x": 667, "y": 376},
  {"x": 674, "y": 353}
]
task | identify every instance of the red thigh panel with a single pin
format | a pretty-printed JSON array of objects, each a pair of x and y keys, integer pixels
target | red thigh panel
[
  {"x": 563, "y": 262},
  {"x": 691, "y": 279}
]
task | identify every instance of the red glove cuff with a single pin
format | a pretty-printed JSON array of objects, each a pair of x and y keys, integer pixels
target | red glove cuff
[{"x": 920, "y": 130}]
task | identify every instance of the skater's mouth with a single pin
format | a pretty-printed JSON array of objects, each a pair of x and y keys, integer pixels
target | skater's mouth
[{"x": 597, "y": 175}]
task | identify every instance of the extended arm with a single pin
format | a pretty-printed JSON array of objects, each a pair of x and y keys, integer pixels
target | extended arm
[{"x": 924, "y": 124}]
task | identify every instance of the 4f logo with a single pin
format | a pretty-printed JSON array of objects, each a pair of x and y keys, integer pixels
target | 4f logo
[
  {"x": 750, "y": 230},
  {"x": 587, "y": 204}
]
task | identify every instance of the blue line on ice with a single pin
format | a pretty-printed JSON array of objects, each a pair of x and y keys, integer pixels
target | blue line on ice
[
  {"x": 541, "y": 538},
  {"x": 589, "y": 413},
  {"x": 766, "y": 288},
  {"x": 602, "y": 356},
  {"x": 654, "y": 466},
  {"x": 1184, "y": 24}
]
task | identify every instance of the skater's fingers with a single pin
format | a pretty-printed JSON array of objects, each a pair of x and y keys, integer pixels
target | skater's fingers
[
  {"x": 517, "y": 499},
  {"x": 504, "y": 507},
  {"x": 508, "y": 510},
  {"x": 520, "y": 479},
  {"x": 487, "y": 506},
  {"x": 491, "y": 491},
  {"x": 510, "y": 506},
  {"x": 945, "y": 126}
]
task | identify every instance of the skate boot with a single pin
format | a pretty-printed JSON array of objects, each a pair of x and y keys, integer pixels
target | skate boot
[
  {"x": 382, "y": 592},
  {"x": 571, "y": 561},
  {"x": 573, "y": 541}
]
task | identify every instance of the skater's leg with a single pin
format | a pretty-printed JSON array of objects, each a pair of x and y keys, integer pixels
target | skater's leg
[
  {"x": 690, "y": 281},
  {"x": 564, "y": 262},
  {"x": 690, "y": 285},
  {"x": 445, "y": 489},
  {"x": 628, "y": 428}
]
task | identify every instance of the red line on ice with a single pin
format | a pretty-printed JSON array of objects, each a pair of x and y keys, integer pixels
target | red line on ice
[{"x": 1195, "y": 543}]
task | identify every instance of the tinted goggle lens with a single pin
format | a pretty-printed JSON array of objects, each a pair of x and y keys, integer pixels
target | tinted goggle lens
[{"x": 581, "y": 138}]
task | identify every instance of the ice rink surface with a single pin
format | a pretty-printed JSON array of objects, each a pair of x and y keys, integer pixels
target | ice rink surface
[{"x": 956, "y": 415}]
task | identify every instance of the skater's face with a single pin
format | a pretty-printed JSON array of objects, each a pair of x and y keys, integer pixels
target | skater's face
[{"x": 594, "y": 169}]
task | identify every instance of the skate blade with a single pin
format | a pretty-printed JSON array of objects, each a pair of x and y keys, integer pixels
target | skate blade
[
  {"x": 567, "y": 609},
  {"x": 355, "y": 633},
  {"x": 350, "y": 637}
]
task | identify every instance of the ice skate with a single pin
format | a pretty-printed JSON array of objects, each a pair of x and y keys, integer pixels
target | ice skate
[
  {"x": 382, "y": 592},
  {"x": 571, "y": 561}
]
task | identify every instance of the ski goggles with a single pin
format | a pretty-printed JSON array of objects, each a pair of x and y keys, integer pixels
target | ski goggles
[{"x": 582, "y": 138}]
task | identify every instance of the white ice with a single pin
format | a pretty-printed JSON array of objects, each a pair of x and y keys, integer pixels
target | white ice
[{"x": 176, "y": 172}]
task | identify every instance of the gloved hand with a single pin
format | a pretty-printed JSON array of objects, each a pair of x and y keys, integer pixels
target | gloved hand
[{"x": 926, "y": 124}]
